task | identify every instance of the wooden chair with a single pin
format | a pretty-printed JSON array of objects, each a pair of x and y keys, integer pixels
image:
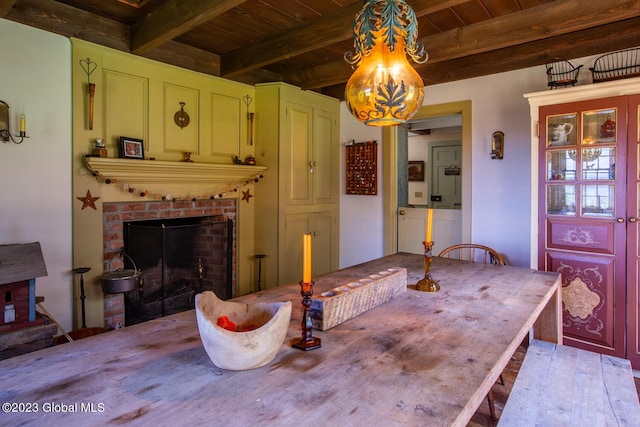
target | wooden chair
[
  {"x": 473, "y": 252},
  {"x": 477, "y": 253}
]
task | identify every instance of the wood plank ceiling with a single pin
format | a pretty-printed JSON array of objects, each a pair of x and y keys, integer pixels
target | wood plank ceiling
[{"x": 303, "y": 42}]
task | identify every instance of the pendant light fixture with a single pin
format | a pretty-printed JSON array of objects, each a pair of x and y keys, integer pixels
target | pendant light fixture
[{"x": 384, "y": 89}]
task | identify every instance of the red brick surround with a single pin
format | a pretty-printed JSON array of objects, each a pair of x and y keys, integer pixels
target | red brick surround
[{"x": 115, "y": 214}]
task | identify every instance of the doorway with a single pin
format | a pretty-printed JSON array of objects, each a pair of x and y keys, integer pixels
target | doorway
[
  {"x": 434, "y": 153},
  {"x": 393, "y": 201}
]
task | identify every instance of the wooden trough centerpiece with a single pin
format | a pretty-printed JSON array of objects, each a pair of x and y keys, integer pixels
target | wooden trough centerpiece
[{"x": 329, "y": 309}]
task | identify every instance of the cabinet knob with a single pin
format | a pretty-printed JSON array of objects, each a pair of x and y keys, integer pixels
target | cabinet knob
[
  {"x": 401, "y": 212},
  {"x": 633, "y": 219},
  {"x": 620, "y": 220}
]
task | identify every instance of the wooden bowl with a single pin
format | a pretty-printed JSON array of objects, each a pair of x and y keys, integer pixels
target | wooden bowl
[{"x": 237, "y": 351}]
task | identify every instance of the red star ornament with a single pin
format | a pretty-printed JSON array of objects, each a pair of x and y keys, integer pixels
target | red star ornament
[
  {"x": 88, "y": 201},
  {"x": 246, "y": 195}
]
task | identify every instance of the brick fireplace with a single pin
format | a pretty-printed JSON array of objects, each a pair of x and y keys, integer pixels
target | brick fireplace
[{"x": 117, "y": 214}]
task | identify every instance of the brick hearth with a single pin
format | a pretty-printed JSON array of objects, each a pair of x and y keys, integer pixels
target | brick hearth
[{"x": 115, "y": 214}]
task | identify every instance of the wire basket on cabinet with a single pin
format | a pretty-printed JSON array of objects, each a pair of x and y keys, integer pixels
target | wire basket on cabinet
[
  {"x": 561, "y": 72},
  {"x": 616, "y": 65}
]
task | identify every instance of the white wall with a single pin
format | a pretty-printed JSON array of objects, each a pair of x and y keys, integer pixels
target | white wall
[
  {"x": 501, "y": 205},
  {"x": 417, "y": 149},
  {"x": 35, "y": 176},
  {"x": 360, "y": 216}
]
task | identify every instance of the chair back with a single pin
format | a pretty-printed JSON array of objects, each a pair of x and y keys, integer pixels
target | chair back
[{"x": 473, "y": 252}]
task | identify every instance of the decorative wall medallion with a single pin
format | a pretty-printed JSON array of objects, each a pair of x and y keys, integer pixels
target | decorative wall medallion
[
  {"x": 181, "y": 117},
  {"x": 578, "y": 237}
]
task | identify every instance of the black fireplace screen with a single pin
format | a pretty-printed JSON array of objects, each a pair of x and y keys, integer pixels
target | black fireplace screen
[{"x": 178, "y": 258}]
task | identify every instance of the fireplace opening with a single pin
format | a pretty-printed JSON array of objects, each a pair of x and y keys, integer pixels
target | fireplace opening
[{"x": 178, "y": 258}]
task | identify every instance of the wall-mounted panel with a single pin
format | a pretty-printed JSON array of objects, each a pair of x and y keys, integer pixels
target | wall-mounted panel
[
  {"x": 126, "y": 106},
  {"x": 226, "y": 116},
  {"x": 587, "y": 298},
  {"x": 181, "y": 113},
  {"x": 597, "y": 237}
]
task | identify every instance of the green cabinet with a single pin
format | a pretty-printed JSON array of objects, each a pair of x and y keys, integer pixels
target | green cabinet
[{"x": 297, "y": 139}]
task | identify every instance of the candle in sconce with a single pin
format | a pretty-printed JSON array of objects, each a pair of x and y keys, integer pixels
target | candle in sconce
[
  {"x": 23, "y": 125},
  {"x": 429, "y": 225},
  {"x": 306, "y": 258}
]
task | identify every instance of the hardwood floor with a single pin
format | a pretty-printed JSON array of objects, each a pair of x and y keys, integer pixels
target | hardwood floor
[{"x": 482, "y": 418}]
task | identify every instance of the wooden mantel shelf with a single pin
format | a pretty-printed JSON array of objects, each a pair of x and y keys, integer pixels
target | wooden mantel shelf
[{"x": 134, "y": 171}]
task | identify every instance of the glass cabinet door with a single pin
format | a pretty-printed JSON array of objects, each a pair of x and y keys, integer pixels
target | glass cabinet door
[
  {"x": 582, "y": 203},
  {"x": 581, "y": 153}
]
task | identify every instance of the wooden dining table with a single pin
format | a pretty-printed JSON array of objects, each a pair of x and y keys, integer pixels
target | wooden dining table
[{"x": 419, "y": 359}]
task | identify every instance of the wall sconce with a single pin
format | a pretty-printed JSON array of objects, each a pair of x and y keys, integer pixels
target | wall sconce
[
  {"x": 385, "y": 90},
  {"x": 5, "y": 132},
  {"x": 497, "y": 145}
]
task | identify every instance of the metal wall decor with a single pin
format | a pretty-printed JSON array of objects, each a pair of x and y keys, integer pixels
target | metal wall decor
[
  {"x": 5, "y": 131},
  {"x": 251, "y": 116},
  {"x": 181, "y": 118},
  {"x": 362, "y": 168},
  {"x": 89, "y": 67}
]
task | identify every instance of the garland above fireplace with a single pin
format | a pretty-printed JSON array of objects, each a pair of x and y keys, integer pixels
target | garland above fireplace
[{"x": 134, "y": 175}]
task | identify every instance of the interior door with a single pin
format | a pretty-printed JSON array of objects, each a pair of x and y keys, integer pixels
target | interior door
[
  {"x": 447, "y": 229},
  {"x": 446, "y": 183},
  {"x": 582, "y": 218}
]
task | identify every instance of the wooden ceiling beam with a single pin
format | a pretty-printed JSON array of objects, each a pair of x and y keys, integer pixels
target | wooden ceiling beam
[
  {"x": 173, "y": 19},
  {"x": 321, "y": 32},
  {"x": 5, "y": 7},
  {"x": 68, "y": 21},
  {"x": 536, "y": 23},
  {"x": 567, "y": 46},
  {"x": 557, "y": 18}
]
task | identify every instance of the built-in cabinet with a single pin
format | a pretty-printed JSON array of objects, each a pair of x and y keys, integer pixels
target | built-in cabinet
[
  {"x": 587, "y": 150},
  {"x": 297, "y": 139}
]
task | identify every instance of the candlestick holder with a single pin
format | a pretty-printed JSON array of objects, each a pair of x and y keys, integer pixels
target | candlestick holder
[
  {"x": 427, "y": 284},
  {"x": 307, "y": 341}
]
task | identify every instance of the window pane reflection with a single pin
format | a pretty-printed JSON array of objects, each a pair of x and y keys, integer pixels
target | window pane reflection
[
  {"x": 561, "y": 199},
  {"x": 561, "y": 165},
  {"x": 599, "y": 163},
  {"x": 598, "y": 200}
]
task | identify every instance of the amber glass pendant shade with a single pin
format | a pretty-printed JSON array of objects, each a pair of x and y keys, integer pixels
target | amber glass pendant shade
[{"x": 385, "y": 90}]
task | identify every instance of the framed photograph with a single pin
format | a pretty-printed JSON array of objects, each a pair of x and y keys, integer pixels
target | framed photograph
[
  {"x": 131, "y": 148},
  {"x": 415, "y": 171}
]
